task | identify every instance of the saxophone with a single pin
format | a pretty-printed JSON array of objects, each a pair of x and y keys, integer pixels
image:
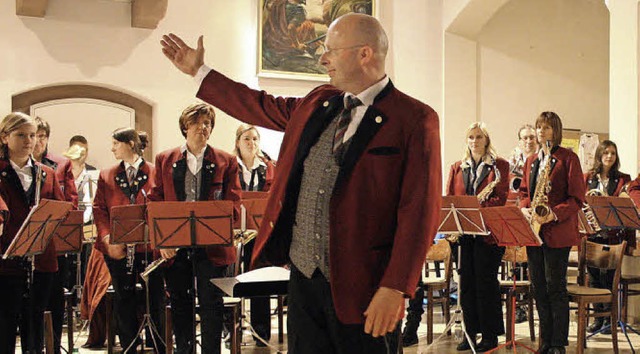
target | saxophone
[
  {"x": 540, "y": 202},
  {"x": 588, "y": 212},
  {"x": 486, "y": 192}
]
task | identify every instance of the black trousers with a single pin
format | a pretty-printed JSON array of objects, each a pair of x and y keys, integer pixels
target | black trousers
[
  {"x": 415, "y": 309},
  {"x": 179, "y": 278},
  {"x": 56, "y": 300},
  {"x": 259, "y": 306},
  {"x": 479, "y": 286},
  {"x": 11, "y": 298},
  {"x": 548, "y": 270},
  {"x": 127, "y": 301},
  {"x": 314, "y": 328},
  {"x": 32, "y": 312}
]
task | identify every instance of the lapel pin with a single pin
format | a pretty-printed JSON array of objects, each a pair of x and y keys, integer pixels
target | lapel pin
[
  {"x": 325, "y": 104},
  {"x": 145, "y": 177},
  {"x": 378, "y": 119},
  {"x": 175, "y": 165}
]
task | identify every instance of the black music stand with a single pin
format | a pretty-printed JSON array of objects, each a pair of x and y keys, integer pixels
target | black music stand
[
  {"x": 615, "y": 213},
  {"x": 192, "y": 225},
  {"x": 129, "y": 227},
  {"x": 509, "y": 227},
  {"x": 460, "y": 215}
]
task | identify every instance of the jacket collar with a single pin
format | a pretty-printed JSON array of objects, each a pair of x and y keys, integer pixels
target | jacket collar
[{"x": 206, "y": 174}]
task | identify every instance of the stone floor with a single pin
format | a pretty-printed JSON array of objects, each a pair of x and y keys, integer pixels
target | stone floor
[{"x": 598, "y": 344}]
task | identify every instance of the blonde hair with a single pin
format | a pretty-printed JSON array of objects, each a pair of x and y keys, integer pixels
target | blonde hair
[
  {"x": 11, "y": 122},
  {"x": 243, "y": 128},
  {"x": 489, "y": 149}
]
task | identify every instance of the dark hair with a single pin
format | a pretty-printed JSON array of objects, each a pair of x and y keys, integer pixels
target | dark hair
[
  {"x": 553, "y": 120},
  {"x": 42, "y": 124},
  {"x": 191, "y": 114},
  {"x": 78, "y": 139},
  {"x": 138, "y": 138},
  {"x": 597, "y": 159}
]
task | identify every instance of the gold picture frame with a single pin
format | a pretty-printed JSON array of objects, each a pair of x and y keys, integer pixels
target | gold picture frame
[{"x": 291, "y": 34}]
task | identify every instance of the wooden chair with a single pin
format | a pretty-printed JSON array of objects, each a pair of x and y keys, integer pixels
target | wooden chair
[
  {"x": 607, "y": 257},
  {"x": 523, "y": 287},
  {"x": 626, "y": 280},
  {"x": 440, "y": 253}
]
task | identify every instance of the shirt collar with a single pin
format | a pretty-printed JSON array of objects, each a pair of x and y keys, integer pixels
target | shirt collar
[
  {"x": 15, "y": 166},
  {"x": 198, "y": 156},
  {"x": 136, "y": 164},
  {"x": 367, "y": 96},
  {"x": 257, "y": 162}
]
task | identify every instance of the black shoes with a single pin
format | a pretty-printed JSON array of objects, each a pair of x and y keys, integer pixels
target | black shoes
[
  {"x": 596, "y": 325},
  {"x": 486, "y": 344},
  {"x": 465, "y": 345},
  {"x": 557, "y": 350}
]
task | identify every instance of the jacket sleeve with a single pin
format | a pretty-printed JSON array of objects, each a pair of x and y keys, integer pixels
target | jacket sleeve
[
  {"x": 451, "y": 180},
  {"x": 233, "y": 190},
  {"x": 576, "y": 190},
  {"x": 101, "y": 213},
  {"x": 157, "y": 191},
  {"x": 64, "y": 173},
  {"x": 501, "y": 190}
]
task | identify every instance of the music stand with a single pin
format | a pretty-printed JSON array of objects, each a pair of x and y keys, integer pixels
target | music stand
[
  {"x": 615, "y": 213},
  {"x": 460, "y": 215},
  {"x": 509, "y": 227},
  {"x": 192, "y": 225},
  {"x": 68, "y": 237},
  {"x": 129, "y": 227}
]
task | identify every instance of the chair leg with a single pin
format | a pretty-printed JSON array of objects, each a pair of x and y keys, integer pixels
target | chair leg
[
  {"x": 48, "y": 332},
  {"x": 581, "y": 342},
  {"x": 429, "y": 316},
  {"x": 280, "y": 319},
  {"x": 532, "y": 329},
  {"x": 69, "y": 309},
  {"x": 509, "y": 335},
  {"x": 625, "y": 299},
  {"x": 168, "y": 330},
  {"x": 614, "y": 327},
  {"x": 447, "y": 312}
]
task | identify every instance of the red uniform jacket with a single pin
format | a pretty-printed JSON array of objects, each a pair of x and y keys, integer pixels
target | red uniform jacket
[
  {"x": 460, "y": 178},
  {"x": 565, "y": 199},
  {"x": 113, "y": 190},
  {"x": 264, "y": 177},
  {"x": 386, "y": 200},
  {"x": 634, "y": 191},
  {"x": 219, "y": 181},
  {"x": 13, "y": 195},
  {"x": 64, "y": 172},
  {"x": 615, "y": 182}
]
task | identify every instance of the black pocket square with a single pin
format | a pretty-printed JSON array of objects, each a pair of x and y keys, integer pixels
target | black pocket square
[{"x": 384, "y": 150}]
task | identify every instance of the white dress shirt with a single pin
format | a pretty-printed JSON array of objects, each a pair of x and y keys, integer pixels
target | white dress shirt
[
  {"x": 136, "y": 165},
  {"x": 24, "y": 173},
  {"x": 248, "y": 172},
  {"x": 194, "y": 162}
]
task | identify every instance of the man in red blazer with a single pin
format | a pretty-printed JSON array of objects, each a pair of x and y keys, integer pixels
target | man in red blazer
[
  {"x": 193, "y": 172},
  {"x": 361, "y": 187}
]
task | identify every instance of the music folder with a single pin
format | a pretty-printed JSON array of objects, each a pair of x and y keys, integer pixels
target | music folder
[{"x": 256, "y": 283}]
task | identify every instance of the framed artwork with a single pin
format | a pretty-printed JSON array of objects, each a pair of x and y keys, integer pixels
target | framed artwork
[{"x": 291, "y": 35}]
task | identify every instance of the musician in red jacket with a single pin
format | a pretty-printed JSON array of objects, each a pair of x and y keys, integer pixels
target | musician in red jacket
[
  {"x": 605, "y": 178},
  {"x": 196, "y": 172},
  {"x": 483, "y": 174},
  {"x": 126, "y": 183},
  {"x": 255, "y": 171},
  {"x": 559, "y": 228},
  {"x": 18, "y": 190},
  {"x": 356, "y": 197}
]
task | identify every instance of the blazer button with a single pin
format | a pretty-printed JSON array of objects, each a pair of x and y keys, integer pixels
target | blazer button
[
  {"x": 271, "y": 224},
  {"x": 378, "y": 119},
  {"x": 325, "y": 104}
]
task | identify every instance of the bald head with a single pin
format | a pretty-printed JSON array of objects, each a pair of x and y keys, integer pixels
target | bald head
[{"x": 363, "y": 29}]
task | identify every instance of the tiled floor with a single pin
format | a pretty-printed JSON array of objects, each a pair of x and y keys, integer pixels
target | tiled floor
[{"x": 598, "y": 344}]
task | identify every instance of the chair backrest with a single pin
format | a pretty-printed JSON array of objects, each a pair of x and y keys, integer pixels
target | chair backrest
[
  {"x": 511, "y": 256},
  {"x": 440, "y": 252},
  {"x": 606, "y": 257}
]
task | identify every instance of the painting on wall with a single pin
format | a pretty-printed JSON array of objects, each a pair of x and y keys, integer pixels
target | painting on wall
[{"x": 291, "y": 35}]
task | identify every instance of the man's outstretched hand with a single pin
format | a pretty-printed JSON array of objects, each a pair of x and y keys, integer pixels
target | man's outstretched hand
[{"x": 185, "y": 58}]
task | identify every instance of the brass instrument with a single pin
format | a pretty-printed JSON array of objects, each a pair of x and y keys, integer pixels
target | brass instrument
[
  {"x": 486, "y": 192},
  {"x": 540, "y": 201},
  {"x": 150, "y": 268},
  {"x": 244, "y": 237}
]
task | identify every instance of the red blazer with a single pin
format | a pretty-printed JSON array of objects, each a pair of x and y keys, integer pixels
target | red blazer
[
  {"x": 565, "y": 199},
  {"x": 113, "y": 190},
  {"x": 460, "y": 177},
  {"x": 13, "y": 195},
  {"x": 219, "y": 181},
  {"x": 265, "y": 175},
  {"x": 64, "y": 172},
  {"x": 615, "y": 182},
  {"x": 634, "y": 191},
  {"x": 386, "y": 200}
]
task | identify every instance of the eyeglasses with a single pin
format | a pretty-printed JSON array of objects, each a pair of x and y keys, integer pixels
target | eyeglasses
[
  {"x": 528, "y": 137},
  {"x": 41, "y": 136},
  {"x": 329, "y": 51}
]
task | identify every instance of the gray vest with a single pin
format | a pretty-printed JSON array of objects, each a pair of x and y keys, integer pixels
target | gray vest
[
  {"x": 310, "y": 242},
  {"x": 192, "y": 185}
]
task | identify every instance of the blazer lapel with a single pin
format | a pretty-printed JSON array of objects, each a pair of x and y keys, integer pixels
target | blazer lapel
[
  {"x": 466, "y": 177},
  {"x": 483, "y": 174},
  {"x": 533, "y": 177},
  {"x": 179, "y": 172},
  {"x": 122, "y": 181},
  {"x": 612, "y": 185}
]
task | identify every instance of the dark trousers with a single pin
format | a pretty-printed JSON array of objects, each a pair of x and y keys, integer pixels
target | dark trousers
[
  {"x": 314, "y": 328},
  {"x": 415, "y": 309},
  {"x": 127, "y": 301},
  {"x": 11, "y": 298},
  {"x": 548, "y": 271},
  {"x": 601, "y": 278},
  {"x": 479, "y": 286},
  {"x": 259, "y": 306},
  {"x": 32, "y": 320},
  {"x": 56, "y": 300},
  {"x": 179, "y": 278}
]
